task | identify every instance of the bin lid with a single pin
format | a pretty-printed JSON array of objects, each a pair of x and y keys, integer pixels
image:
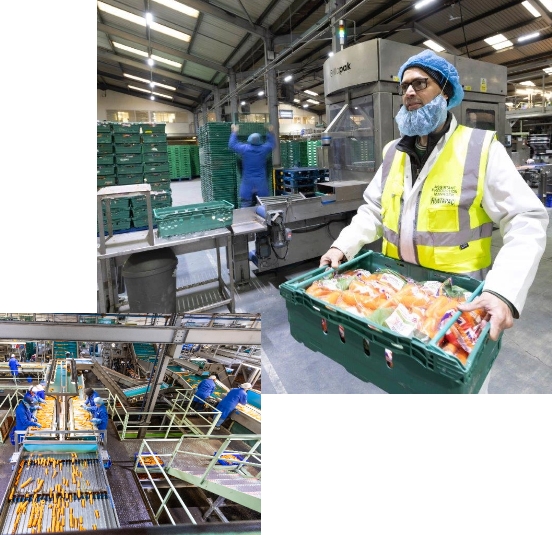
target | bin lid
[{"x": 149, "y": 263}]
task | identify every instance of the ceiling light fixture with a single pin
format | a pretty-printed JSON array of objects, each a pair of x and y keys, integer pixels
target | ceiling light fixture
[
  {"x": 260, "y": 93},
  {"x": 433, "y": 45},
  {"x": 152, "y": 97},
  {"x": 151, "y": 62},
  {"x": 498, "y": 42},
  {"x": 305, "y": 105},
  {"x": 312, "y": 101},
  {"x": 330, "y": 54},
  {"x": 528, "y": 36},
  {"x": 423, "y": 3},
  {"x": 288, "y": 78},
  {"x": 177, "y": 6},
  {"x": 149, "y": 19},
  {"x": 296, "y": 100},
  {"x": 137, "y": 78},
  {"x": 130, "y": 49},
  {"x": 309, "y": 92},
  {"x": 547, "y": 4},
  {"x": 139, "y": 89},
  {"x": 531, "y": 9},
  {"x": 527, "y": 83},
  {"x": 548, "y": 70},
  {"x": 141, "y": 21}
]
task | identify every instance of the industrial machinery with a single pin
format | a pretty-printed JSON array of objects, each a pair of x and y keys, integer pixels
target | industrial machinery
[{"x": 361, "y": 88}]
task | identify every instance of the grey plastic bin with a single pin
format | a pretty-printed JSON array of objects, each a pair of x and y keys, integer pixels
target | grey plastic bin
[{"x": 150, "y": 280}]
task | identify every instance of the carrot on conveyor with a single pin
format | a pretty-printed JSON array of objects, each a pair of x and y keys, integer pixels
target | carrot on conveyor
[{"x": 25, "y": 483}]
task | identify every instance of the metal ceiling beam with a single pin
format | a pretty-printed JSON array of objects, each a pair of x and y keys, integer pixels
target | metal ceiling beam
[
  {"x": 156, "y": 70},
  {"x": 162, "y": 48},
  {"x": 543, "y": 13},
  {"x": 244, "y": 24},
  {"x": 418, "y": 28},
  {"x": 23, "y": 330}
]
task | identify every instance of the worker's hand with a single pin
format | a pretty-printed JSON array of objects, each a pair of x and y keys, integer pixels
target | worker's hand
[
  {"x": 38, "y": 425},
  {"x": 497, "y": 312},
  {"x": 235, "y": 128},
  {"x": 96, "y": 421},
  {"x": 84, "y": 407},
  {"x": 332, "y": 258},
  {"x": 270, "y": 128}
]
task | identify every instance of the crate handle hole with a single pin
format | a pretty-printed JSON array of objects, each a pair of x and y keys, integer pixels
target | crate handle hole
[
  {"x": 389, "y": 358},
  {"x": 324, "y": 324},
  {"x": 366, "y": 346},
  {"x": 342, "y": 333}
]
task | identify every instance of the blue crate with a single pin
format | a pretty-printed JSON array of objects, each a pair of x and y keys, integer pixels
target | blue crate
[{"x": 229, "y": 463}]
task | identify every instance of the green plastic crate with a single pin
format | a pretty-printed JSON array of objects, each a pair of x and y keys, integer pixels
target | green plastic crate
[
  {"x": 176, "y": 220},
  {"x": 104, "y": 137},
  {"x": 157, "y": 167},
  {"x": 126, "y": 180},
  {"x": 153, "y": 128},
  {"x": 105, "y": 148},
  {"x": 105, "y": 170},
  {"x": 395, "y": 363},
  {"x": 127, "y": 137},
  {"x": 154, "y": 147},
  {"x": 131, "y": 169},
  {"x": 154, "y": 138},
  {"x": 126, "y": 159},
  {"x": 108, "y": 180},
  {"x": 104, "y": 127},
  {"x": 126, "y": 128},
  {"x": 128, "y": 148},
  {"x": 156, "y": 177},
  {"x": 105, "y": 158},
  {"x": 155, "y": 157}
]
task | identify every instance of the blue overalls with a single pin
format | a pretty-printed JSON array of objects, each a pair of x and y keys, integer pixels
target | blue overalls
[
  {"x": 229, "y": 403},
  {"x": 23, "y": 419},
  {"x": 204, "y": 390}
]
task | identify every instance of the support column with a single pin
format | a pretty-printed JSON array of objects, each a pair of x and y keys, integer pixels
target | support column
[
  {"x": 216, "y": 104},
  {"x": 272, "y": 90}
]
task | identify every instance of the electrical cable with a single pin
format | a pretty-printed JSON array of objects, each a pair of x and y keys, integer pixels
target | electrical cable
[{"x": 463, "y": 29}]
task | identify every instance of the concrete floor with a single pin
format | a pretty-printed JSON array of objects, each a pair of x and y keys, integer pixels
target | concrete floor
[{"x": 524, "y": 364}]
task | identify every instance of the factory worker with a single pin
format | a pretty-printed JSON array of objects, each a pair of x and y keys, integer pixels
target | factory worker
[
  {"x": 23, "y": 415},
  {"x": 99, "y": 416},
  {"x": 204, "y": 389},
  {"x": 231, "y": 400},
  {"x": 14, "y": 367},
  {"x": 440, "y": 190},
  {"x": 254, "y": 153},
  {"x": 90, "y": 394},
  {"x": 33, "y": 390},
  {"x": 40, "y": 390}
]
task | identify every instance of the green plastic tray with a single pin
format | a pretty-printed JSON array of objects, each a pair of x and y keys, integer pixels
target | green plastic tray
[
  {"x": 153, "y": 128},
  {"x": 108, "y": 180},
  {"x": 125, "y": 180},
  {"x": 395, "y": 363},
  {"x": 130, "y": 169},
  {"x": 156, "y": 157},
  {"x": 154, "y": 147},
  {"x": 127, "y": 137},
  {"x": 126, "y": 128},
  {"x": 128, "y": 148},
  {"x": 104, "y": 127},
  {"x": 154, "y": 137},
  {"x": 126, "y": 159},
  {"x": 104, "y": 137},
  {"x": 175, "y": 220},
  {"x": 105, "y": 148},
  {"x": 105, "y": 158}
]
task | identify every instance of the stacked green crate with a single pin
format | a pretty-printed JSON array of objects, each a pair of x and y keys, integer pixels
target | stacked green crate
[
  {"x": 217, "y": 163},
  {"x": 298, "y": 154},
  {"x": 180, "y": 161},
  {"x": 128, "y": 153},
  {"x": 159, "y": 199},
  {"x": 120, "y": 214},
  {"x": 194, "y": 160},
  {"x": 284, "y": 154},
  {"x": 106, "y": 167},
  {"x": 312, "y": 160}
]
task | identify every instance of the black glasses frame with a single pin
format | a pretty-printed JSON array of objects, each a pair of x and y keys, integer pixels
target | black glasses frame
[{"x": 417, "y": 85}]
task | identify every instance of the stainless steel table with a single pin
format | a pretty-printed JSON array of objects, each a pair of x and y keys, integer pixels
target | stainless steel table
[{"x": 121, "y": 246}]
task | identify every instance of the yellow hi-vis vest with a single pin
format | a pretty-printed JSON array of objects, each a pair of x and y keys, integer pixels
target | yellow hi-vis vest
[{"x": 452, "y": 232}]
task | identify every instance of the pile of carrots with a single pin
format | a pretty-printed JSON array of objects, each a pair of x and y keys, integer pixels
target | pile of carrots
[{"x": 418, "y": 309}]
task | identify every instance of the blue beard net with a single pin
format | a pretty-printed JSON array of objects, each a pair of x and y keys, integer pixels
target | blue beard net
[{"x": 424, "y": 120}]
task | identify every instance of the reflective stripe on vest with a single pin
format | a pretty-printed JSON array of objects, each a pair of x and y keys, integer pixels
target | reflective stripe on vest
[{"x": 452, "y": 231}]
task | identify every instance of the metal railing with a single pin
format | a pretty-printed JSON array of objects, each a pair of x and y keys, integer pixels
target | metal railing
[{"x": 129, "y": 423}]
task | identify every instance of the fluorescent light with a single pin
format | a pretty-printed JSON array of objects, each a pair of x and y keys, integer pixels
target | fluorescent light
[
  {"x": 177, "y": 6},
  {"x": 547, "y": 4},
  {"x": 528, "y": 83},
  {"x": 309, "y": 92},
  {"x": 139, "y": 89},
  {"x": 161, "y": 95},
  {"x": 498, "y": 41},
  {"x": 296, "y": 100},
  {"x": 166, "y": 61},
  {"x": 137, "y": 78},
  {"x": 531, "y": 9},
  {"x": 130, "y": 49},
  {"x": 141, "y": 21},
  {"x": 528, "y": 36},
  {"x": 288, "y": 78},
  {"x": 149, "y": 18},
  {"x": 305, "y": 105},
  {"x": 548, "y": 70},
  {"x": 423, "y": 3},
  {"x": 313, "y": 101},
  {"x": 169, "y": 31},
  {"x": 434, "y": 46}
]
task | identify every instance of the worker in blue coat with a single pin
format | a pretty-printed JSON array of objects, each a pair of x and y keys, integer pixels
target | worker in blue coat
[
  {"x": 204, "y": 389},
  {"x": 230, "y": 401},
  {"x": 254, "y": 153},
  {"x": 24, "y": 417},
  {"x": 99, "y": 416},
  {"x": 14, "y": 367},
  {"x": 89, "y": 396}
]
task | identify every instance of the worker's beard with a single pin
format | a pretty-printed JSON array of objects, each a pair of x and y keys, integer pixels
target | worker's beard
[{"x": 424, "y": 120}]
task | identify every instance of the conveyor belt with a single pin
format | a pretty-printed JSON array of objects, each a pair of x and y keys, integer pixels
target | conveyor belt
[{"x": 60, "y": 491}]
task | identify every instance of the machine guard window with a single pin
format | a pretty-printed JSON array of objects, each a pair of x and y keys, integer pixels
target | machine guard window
[{"x": 480, "y": 118}]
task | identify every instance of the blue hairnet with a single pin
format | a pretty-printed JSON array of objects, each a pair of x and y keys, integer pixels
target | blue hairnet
[
  {"x": 443, "y": 72},
  {"x": 254, "y": 139},
  {"x": 27, "y": 398}
]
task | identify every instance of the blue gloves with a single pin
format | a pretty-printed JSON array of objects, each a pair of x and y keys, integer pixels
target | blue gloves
[
  {"x": 96, "y": 421},
  {"x": 37, "y": 425},
  {"x": 84, "y": 407}
]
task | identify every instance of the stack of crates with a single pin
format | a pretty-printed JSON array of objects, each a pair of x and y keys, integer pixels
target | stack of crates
[
  {"x": 194, "y": 160},
  {"x": 180, "y": 164},
  {"x": 312, "y": 160},
  {"x": 297, "y": 155},
  {"x": 363, "y": 151},
  {"x": 120, "y": 214},
  {"x": 106, "y": 161},
  {"x": 138, "y": 206},
  {"x": 155, "y": 156},
  {"x": 217, "y": 163},
  {"x": 128, "y": 153}
]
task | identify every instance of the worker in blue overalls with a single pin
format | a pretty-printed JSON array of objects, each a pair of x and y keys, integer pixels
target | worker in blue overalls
[
  {"x": 14, "y": 367},
  {"x": 99, "y": 417},
  {"x": 24, "y": 417},
  {"x": 204, "y": 390},
  {"x": 230, "y": 401},
  {"x": 90, "y": 394}
]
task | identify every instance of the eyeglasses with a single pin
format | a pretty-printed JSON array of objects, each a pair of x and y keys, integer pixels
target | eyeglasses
[{"x": 417, "y": 85}]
